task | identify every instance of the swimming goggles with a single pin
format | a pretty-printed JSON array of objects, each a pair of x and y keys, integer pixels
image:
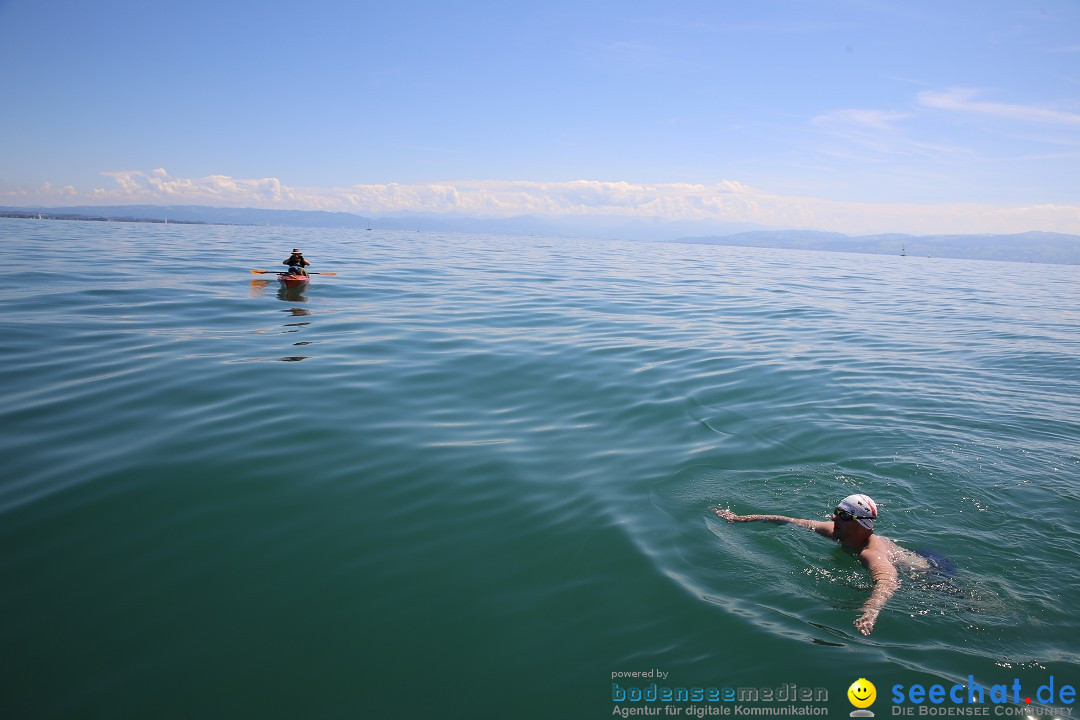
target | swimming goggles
[{"x": 845, "y": 515}]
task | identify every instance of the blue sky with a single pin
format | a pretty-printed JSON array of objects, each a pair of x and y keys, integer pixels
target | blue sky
[{"x": 852, "y": 116}]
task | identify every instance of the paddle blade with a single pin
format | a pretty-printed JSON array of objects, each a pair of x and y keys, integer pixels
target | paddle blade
[{"x": 278, "y": 272}]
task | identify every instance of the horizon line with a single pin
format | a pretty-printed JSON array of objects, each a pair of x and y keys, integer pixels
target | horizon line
[{"x": 726, "y": 201}]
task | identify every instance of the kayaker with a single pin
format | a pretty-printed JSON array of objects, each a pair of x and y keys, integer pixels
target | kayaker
[
  {"x": 852, "y": 525},
  {"x": 296, "y": 263}
]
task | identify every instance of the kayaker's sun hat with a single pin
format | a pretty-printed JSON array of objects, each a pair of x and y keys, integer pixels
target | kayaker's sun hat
[
  {"x": 862, "y": 509},
  {"x": 296, "y": 251}
]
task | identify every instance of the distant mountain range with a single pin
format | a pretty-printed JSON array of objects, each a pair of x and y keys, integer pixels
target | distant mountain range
[
  {"x": 195, "y": 214},
  {"x": 600, "y": 226},
  {"x": 1042, "y": 247}
]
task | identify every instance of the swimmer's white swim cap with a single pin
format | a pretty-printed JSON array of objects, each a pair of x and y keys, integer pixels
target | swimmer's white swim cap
[{"x": 862, "y": 507}]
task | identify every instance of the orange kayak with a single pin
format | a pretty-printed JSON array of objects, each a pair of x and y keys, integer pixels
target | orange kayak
[{"x": 293, "y": 281}]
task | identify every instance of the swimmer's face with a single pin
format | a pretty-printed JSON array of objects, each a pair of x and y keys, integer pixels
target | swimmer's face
[
  {"x": 840, "y": 523},
  {"x": 862, "y": 693},
  {"x": 845, "y": 524}
]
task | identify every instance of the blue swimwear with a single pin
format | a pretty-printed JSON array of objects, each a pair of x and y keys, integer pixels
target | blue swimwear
[{"x": 938, "y": 562}]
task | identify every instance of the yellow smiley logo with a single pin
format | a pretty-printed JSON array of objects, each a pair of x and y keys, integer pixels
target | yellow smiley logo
[{"x": 862, "y": 693}]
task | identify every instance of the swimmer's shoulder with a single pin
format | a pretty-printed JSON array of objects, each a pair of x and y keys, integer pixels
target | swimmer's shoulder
[
  {"x": 903, "y": 557},
  {"x": 881, "y": 545}
]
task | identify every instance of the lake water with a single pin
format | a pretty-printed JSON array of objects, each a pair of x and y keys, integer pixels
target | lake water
[{"x": 468, "y": 476}]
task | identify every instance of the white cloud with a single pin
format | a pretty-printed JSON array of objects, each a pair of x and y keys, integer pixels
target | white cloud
[
  {"x": 964, "y": 100},
  {"x": 727, "y": 201},
  {"x": 879, "y": 131},
  {"x": 846, "y": 119}
]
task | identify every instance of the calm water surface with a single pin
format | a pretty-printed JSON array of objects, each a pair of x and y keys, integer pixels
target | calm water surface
[{"x": 469, "y": 476}]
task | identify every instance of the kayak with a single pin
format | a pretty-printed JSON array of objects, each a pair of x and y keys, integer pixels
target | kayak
[{"x": 293, "y": 281}]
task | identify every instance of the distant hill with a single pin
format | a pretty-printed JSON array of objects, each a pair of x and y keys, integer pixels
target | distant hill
[
  {"x": 595, "y": 226},
  {"x": 203, "y": 214},
  {"x": 613, "y": 227},
  {"x": 1042, "y": 247}
]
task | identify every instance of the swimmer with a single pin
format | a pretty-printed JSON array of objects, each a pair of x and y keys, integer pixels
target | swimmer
[{"x": 852, "y": 525}]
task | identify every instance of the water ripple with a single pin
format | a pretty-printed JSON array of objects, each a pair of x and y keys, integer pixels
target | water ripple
[{"x": 496, "y": 443}]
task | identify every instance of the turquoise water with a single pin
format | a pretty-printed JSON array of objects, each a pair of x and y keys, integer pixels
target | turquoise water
[{"x": 469, "y": 476}]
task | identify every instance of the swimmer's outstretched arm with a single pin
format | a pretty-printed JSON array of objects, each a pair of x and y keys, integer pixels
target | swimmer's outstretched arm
[
  {"x": 824, "y": 528},
  {"x": 885, "y": 583}
]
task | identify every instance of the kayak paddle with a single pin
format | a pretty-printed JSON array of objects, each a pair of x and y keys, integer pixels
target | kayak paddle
[{"x": 280, "y": 272}]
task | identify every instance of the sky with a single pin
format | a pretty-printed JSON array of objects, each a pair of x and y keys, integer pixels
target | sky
[{"x": 857, "y": 117}]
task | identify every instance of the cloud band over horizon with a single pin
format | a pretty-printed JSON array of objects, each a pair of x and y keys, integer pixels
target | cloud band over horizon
[{"x": 724, "y": 202}]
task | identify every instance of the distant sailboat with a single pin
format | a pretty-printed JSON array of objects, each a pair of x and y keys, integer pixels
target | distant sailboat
[{"x": 903, "y": 252}]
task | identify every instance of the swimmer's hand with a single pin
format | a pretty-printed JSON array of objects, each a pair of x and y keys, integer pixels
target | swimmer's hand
[
  {"x": 865, "y": 623},
  {"x": 724, "y": 513}
]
